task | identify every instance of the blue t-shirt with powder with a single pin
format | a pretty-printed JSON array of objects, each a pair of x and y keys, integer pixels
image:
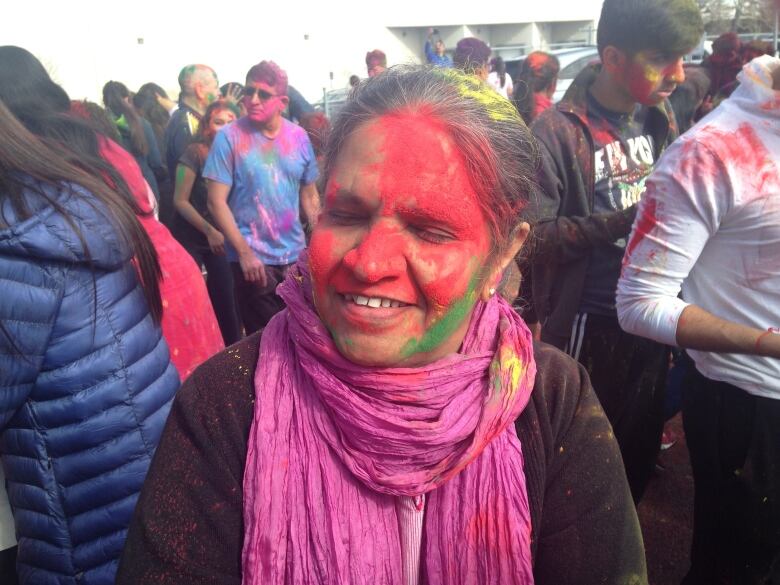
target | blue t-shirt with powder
[{"x": 265, "y": 176}]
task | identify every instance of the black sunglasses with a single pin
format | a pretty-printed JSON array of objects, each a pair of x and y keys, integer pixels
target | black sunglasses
[{"x": 263, "y": 95}]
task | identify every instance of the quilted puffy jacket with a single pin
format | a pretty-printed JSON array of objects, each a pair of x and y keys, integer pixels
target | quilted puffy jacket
[{"x": 85, "y": 388}]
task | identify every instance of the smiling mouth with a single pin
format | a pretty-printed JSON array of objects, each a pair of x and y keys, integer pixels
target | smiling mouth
[{"x": 373, "y": 302}]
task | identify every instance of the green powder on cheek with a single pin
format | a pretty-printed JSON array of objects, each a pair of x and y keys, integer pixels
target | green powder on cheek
[
  {"x": 339, "y": 339},
  {"x": 446, "y": 326}
]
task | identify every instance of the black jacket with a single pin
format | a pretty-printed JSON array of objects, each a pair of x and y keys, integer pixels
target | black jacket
[{"x": 565, "y": 227}]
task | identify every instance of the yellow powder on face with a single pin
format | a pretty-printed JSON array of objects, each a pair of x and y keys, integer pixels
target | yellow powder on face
[{"x": 650, "y": 72}]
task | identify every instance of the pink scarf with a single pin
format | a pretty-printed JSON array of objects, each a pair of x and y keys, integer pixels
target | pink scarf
[{"x": 332, "y": 443}]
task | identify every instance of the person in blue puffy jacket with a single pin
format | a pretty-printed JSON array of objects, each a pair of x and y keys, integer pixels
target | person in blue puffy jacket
[{"x": 86, "y": 380}]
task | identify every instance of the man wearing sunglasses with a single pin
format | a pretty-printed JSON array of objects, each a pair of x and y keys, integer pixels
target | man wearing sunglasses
[{"x": 261, "y": 170}]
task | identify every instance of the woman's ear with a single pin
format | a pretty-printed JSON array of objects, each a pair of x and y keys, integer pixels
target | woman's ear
[{"x": 502, "y": 261}]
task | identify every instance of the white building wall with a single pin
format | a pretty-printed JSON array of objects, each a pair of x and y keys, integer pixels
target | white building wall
[{"x": 86, "y": 43}]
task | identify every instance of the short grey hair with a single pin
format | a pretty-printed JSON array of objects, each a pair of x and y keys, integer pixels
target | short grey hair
[
  {"x": 500, "y": 153},
  {"x": 192, "y": 74}
]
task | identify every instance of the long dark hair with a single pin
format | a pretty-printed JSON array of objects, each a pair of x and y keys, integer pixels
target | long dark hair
[
  {"x": 24, "y": 156},
  {"x": 67, "y": 150},
  {"x": 500, "y": 67},
  {"x": 537, "y": 71},
  {"x": 146, "y": 104},
  {"x": 25, "y": 86},
  {"x": 97, "y": 117},
  {"x": 116, "y": 98}
]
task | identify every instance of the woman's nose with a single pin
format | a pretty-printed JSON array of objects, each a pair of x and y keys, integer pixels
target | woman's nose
[{"x": 379, "y": 255}]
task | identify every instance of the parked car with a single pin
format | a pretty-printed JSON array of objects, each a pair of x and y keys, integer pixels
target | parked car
[{"x": 572, "y": 62}]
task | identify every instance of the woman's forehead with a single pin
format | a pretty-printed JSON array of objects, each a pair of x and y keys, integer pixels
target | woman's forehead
[
  {"x": 406, "y": 141},
  {"x": 405, "y": 160}
]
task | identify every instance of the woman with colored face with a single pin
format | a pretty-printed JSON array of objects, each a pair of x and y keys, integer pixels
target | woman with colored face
[
  {"x": 194, "y": 227},
  {"x": 396, "y": 424}
]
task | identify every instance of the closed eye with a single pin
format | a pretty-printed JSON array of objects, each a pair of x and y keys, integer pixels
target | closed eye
[
  {"x": 433, "y": 235},
  {"x": 340, "y": 217}
]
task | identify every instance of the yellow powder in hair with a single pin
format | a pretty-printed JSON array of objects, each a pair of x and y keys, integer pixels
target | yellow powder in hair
[{"x": 498, "y": 107}]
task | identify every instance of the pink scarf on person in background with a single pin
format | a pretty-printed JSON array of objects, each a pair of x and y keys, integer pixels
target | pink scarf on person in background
[{"x": 332, "y": 443}]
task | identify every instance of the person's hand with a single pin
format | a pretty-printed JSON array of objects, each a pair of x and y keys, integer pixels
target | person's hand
[
  {"x": 216, "y": 241},
  {"x": 165, "y": 102},
  {"x": 253, "y": 269},
  {"x": 234, "y": 93}
]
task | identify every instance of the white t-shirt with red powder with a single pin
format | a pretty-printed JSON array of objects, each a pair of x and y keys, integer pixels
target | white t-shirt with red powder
[{"x": 709, "y": 225}]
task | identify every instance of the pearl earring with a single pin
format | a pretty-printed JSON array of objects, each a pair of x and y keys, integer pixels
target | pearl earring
[{"x": 492, "y": 291}]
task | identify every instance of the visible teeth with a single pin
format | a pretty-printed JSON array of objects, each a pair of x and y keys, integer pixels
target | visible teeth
[{"x": 373, "y": 302}]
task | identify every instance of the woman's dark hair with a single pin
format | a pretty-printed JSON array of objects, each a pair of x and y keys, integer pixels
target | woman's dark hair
[
  {"x": 24, "y": 156},
  {"x": 500, "y": 153},
  {"x": 25, "y": 86},
  {"x": 499, "y": 67},
  {"x": 43, "y": 110},
  {"x": 535, "y": 75},
  {"x": 151, "y": 88},
  {"x": 96, "y": 117},
  {"x": 116, "y": 98},
  {"x": 203, "y": 134},
  {"x": 146, "y": 104}
]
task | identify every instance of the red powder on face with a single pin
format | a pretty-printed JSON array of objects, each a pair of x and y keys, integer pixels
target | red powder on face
[
  {"x": 648, "y": 80},
  {"x": 411, "y": 172},
  {"x": 401, "y": 221}
]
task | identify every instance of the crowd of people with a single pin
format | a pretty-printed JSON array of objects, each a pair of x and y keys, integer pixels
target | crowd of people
[{"x": 429, "y": 341}]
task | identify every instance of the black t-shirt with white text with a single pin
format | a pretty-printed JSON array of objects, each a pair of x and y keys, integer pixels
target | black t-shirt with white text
[{"x": 624, "y": 156}]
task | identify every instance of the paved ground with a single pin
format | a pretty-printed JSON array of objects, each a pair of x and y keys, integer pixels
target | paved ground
[{"x": 666, "y": 514}]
